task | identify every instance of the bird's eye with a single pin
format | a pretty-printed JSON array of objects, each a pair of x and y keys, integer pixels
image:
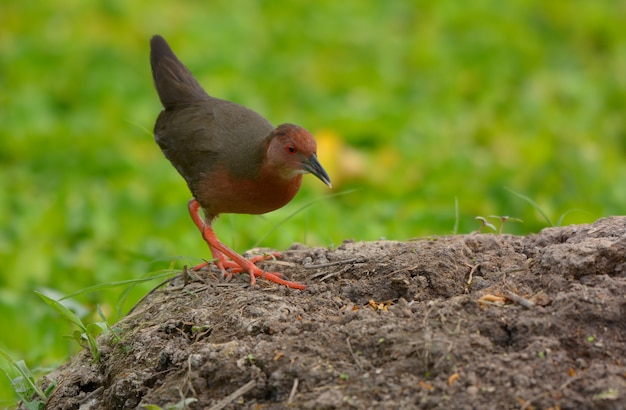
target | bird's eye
[{"x": 291, "y": 149}]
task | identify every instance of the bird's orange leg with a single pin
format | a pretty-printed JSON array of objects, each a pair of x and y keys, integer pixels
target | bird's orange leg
[
  {"x": 237, "y": 263},
  {"x": 224, "y": 264}
]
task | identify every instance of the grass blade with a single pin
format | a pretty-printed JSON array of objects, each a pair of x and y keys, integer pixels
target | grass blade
[
  {"x": 297, "y": 211},
  {"x": 534, "y": 205},
  {"x": 108, "y": 285},
  {"x": 62, "y": 310}
]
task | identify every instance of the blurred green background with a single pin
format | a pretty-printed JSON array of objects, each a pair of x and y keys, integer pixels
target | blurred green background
[{"x": 415, "y": 104}]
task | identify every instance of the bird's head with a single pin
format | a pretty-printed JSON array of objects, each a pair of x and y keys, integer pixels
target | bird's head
[{"x": 292, "y": 150}]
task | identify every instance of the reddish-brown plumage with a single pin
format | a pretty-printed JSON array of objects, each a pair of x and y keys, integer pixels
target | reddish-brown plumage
[{"x": 233, "y": 159}]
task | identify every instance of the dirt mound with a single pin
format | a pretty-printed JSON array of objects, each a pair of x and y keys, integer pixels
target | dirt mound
[{"x": 469, "y": 321}]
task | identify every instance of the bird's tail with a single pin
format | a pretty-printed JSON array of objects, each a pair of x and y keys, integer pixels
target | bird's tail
[{"x": 173, "y": 81}]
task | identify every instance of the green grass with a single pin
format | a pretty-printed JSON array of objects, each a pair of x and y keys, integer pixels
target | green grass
[{"x": 419, "y": 104}]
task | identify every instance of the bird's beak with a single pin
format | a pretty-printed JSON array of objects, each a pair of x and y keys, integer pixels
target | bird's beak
[{"x": 313, "y": 166}]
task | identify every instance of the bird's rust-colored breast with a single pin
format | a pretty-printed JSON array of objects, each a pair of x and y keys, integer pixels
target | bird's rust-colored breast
[{"x": 221, "y": 193}]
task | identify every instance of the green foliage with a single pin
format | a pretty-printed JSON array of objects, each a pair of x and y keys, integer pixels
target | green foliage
[
  {"x": 86, "y": 335},
  {"x": 23, "y": 382},
  {"x": 424, "y": 112}
]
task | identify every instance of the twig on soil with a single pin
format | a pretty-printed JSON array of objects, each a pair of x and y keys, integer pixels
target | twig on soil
[
  {"x": 473, "y": 268},
  {"x": 330, "y": 275},
  {"x": 92, "y": 394},
  {"x": 523, "y": 302},
  {"x": 279, "y": 263},
  {"x": 234, "y": 395},
  {"x": 327, "y": 264},
  {"x": 190, "y": 276},
  {"x": 406, "y": 269},
  {"x": 185, "y": 276},
  {"x": 188, "y": 379},
  {"x": 294, "y": 388},
  {"x": 354, "y": 357}
]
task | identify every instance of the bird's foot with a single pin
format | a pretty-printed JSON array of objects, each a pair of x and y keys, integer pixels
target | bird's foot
[
  {"x": 230, "y": 267},
  {"x": 229, "y": 261},
  {"x": 225, "y": 264}
]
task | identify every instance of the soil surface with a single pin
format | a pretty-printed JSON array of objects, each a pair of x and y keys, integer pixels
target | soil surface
[{"x": 475, "y": 321}]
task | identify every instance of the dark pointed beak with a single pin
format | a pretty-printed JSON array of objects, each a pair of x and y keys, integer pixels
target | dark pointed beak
[{"x": 313, "y": 166}]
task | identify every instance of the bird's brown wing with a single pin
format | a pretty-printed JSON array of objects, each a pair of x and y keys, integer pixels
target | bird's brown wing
[
  {"x": 184, "y": 136},
  {"x": 199, "y": 133}
]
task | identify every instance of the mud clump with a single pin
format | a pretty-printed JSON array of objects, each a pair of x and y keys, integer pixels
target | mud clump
[{"x": 468, "y": 321}]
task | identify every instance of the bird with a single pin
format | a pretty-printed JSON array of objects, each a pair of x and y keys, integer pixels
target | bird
[{"x": 232, "y": 159}]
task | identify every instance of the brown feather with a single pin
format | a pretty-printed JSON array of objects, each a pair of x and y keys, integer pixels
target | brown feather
[{"x": 211, "y": 141}]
